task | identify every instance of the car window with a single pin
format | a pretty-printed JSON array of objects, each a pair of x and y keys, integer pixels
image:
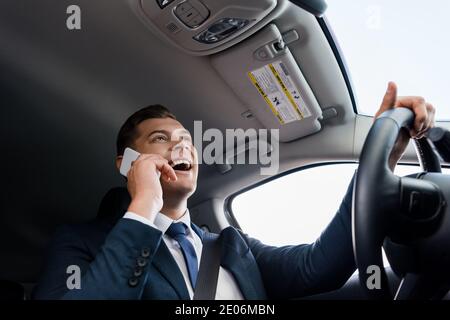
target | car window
[
  {"x": 401, "y": 40},
  {"x": 297, "y": 207}
]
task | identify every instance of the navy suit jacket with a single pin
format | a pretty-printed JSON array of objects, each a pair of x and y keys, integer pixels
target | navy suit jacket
[{"x": 129, "y": 260}]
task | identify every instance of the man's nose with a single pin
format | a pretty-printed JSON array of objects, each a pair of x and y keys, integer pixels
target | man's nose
[{"x": 181, "y": 145}]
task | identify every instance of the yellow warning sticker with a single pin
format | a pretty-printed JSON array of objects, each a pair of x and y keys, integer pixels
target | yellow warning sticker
[{"x": 275, "y": 85}]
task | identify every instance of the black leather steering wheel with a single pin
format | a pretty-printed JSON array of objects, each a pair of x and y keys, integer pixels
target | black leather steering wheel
[{"x": 409, "y": 216}]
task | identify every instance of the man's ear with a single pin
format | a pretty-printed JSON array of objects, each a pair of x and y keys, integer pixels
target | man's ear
[{"x": 118, "y": 162}]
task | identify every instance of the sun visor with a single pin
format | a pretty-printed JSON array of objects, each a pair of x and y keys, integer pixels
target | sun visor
[{"x": 264, "y": 74}]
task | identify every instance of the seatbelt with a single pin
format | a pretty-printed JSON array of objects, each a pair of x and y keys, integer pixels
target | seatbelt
[{"x": 208, "y": 273}]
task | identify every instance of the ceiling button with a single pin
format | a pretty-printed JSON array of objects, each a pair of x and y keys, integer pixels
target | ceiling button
[
  {"x": 163, "y": 3},
  {"x": 192, "y": 13}
]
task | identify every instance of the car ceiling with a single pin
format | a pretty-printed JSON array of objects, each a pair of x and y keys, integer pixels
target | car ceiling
[{"x": 65, "y": 94}]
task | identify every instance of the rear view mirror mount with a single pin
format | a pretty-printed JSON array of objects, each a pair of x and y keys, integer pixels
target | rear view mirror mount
[{"x": 315, "y": 7}]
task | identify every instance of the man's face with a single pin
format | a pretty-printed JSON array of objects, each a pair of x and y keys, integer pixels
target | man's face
[{"x": 167, "y": 137}]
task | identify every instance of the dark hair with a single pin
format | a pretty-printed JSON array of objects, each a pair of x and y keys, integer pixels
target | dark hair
[{"x": 127, "y": 133}]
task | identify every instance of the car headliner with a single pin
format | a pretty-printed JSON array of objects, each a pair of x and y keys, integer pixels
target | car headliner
[{"x": 65, "y": 94}]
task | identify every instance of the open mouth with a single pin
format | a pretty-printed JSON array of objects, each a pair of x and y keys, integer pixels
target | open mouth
[{"x": 181, "y": 165}]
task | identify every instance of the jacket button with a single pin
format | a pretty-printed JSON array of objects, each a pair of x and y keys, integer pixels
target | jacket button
[
  {"x": 137, "y": 272},
  {"x": 145, "y": 252},
  {"x": 141, "y": 262},
  {"x": 133, "y": 282}
]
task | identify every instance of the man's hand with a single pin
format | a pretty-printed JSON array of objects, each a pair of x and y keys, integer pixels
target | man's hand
[
  {"x": 144, "y": 185},
  {"x": 424, "y": 113}
]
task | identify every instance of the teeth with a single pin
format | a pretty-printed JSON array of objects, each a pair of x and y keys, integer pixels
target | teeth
[{"x": 180, "y": 161}]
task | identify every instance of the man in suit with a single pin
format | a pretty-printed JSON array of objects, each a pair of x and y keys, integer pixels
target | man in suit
[{"x": 153, "y": 250}]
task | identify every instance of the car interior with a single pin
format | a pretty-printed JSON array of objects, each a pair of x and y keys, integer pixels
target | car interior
[{"x": 65, "y": 94}]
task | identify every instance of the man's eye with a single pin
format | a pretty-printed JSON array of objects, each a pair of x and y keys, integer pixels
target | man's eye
[{"x": 160, "y": 139}]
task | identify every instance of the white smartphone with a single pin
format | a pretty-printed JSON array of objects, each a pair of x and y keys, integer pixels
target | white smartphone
[{"x": 129, "y": 156}]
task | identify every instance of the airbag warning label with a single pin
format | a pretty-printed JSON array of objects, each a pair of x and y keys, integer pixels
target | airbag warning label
[{"x": 280, "y": 93}]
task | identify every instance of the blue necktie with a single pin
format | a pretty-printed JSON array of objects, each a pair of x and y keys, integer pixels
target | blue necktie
[{"x": 177, "y": 231}]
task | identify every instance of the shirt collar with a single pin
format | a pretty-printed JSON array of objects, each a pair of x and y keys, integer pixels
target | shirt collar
[{"x": 163, "y": 222}]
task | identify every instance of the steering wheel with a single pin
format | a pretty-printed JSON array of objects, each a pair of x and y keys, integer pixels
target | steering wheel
[{"x": 408, "y": 216}]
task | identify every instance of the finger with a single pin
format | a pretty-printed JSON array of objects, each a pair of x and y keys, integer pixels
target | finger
[
  {"x": 428, "y": 124},
  {"x": 430, "y": 112},
  {"x": 389, "y": 98},
  {"x": 431, "y": 115},
  {"x": 162, "y": 165},
  {"x": 421, "y": 134},
  {"x": 418, "y": 106},
  {"x": 168, "y": 172},
  {"x": 156, "y": 158},
  {"x": 140, "y": 158},
  {"x": 130, "y": 172},
  {"x": 146, "y": 156}
]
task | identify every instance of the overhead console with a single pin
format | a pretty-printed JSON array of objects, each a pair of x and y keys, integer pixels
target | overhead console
[{"x": 203, "y": 27}]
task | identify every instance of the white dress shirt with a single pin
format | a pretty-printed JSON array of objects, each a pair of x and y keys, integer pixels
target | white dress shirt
[{"x": 227, "y": 288}]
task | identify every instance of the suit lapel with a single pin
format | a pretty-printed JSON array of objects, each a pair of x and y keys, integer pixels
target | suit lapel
[
  {"x": 167, "y": 266},
  {"x": 236, "y": 258}
]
